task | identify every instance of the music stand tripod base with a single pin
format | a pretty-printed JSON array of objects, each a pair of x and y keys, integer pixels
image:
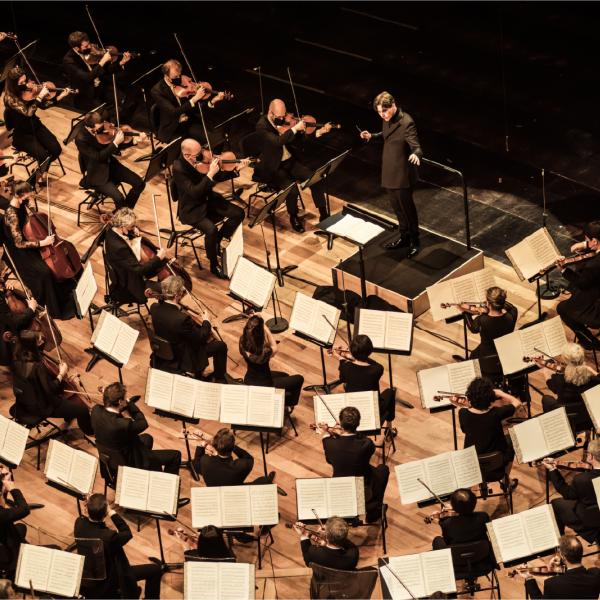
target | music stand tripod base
[{"x": 277, "y": 324}]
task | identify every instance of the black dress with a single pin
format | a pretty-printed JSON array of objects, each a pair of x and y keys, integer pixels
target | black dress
[
  {"x": 491, "y": 328},
  {"x": 56, "y": 296}
]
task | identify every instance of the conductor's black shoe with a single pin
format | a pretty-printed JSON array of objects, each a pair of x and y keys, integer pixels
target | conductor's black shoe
[
  {"x": 413, "y": 249},
  {"x": 296, "y": 224},
  {"x": 400, "y": 242},
  {"x": 182, "y": 502},
  {"x": 217, "y": 272}
]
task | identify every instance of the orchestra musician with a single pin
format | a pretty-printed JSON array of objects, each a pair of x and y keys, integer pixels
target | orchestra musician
[
  {"x": 191, "y": 340},
  {"x": 279, "y": 162},
  {"x": 200, "y": 206},
  {"x": 12, "y": 322},
  {"x": 39, "y": 394},
  {"x": 29, "y": 134},
  {"x": 578, "y": 507},
  {"x": 100, "y": 169},
  {"x": 337, "y": 551},
  {"x": 360, "y": 373},
  {"x": 576, "y": 583},
  {"x": 209, "y": 544},
  {"x": 56, "y": 296},
  {"x": 121, "y": 577},
  {"x": 482, "y": 422},
  {"x": 568, "y": 385},
  {"x": 130, "y": 277},
  {"x": 257, "y": 347},
  {"x": 582, "y": 309},
  {"x": 399, "y": 135},
  {"x": 350, "y": 454}
]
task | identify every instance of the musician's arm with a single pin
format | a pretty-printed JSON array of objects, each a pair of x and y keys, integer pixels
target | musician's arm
[
  {"x": 91, "y": 153},
  {"x": 412, "y": 139},
  {"x": 502, "y": 399},
  {"x": 307, "y": 550},
  {"x": 81, "y": 75},
  {"x": 12, "y": 220},
  {"x": 244, "y": 462},
  {"x": 18, "y": 511},
  {"x": 168, "y": 108},
  {"x": 138, "y": 422},
  {"x": 474, "y": 324},
  {"x": 583, "y": 279},
  {"x": 562, "y": 487},
  {"x": 193, "y": 333},
  {"x": 50, "y": 385},
  {"x": 123, "y": 533},
  {"x": 285, "y": 138},
  {"x": 532, "y": 588}
]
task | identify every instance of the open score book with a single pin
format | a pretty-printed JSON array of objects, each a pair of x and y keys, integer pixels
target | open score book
[
  {"x": 387, "y": 330},
  {"x": 367, "y": 404},
  {"x": 147, "y": 491},
  {"x": 330, "y": 496},
  {"x": 252, "y": 283},
  {"x": 203, "y": 580},
  {"x": 310, "y": 316},
  {"x": 591, "y": 399},
  {"x": 114, "y": 338},
  {"x": 13, "y": 440},
  {"x": 71, "y": 468},
  {"x": 533, "y": 254},
  {"x": 453, "y": 377}
]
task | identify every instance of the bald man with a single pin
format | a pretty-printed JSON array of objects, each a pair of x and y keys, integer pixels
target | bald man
[
  {"x": 201, "y": 207},
  {"x": 279, "y": 163}
]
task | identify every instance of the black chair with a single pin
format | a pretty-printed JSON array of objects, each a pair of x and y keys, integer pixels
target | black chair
[
  {"x": 474, "y": 560},
  {"x": 92, "y": 199},
  {"x": 335, "y": 583},
  {"x": 163, "y": 356},
  {"x": 154, "y": 119},
  {"x": 107, "y": 470},
  {"x": 493, "y": 471},
  {"x": 589, "y": 340}
]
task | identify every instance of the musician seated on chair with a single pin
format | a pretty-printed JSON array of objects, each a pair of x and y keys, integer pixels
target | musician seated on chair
[
  {"x": 576, "y": 583},
  {"x": 193, "y": 341},
  {"x": 568, "y": 385},
  {"x": 334, "y": 550},
  {"x": 578, "y": 507},
  {"x": 10, "y": 321},
  {"x": 201, "y": 207},
  {"x": 350, "y": 454},
  {"x": 129, "y": 274}
]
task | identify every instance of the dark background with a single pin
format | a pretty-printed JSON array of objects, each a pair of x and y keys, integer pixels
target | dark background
[{"x": 499, "y": 91}]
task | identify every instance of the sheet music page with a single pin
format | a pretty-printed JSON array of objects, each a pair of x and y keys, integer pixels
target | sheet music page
[
  {"x": 312, "y": 494},
  {"x": 279, "y": 410},
  {"x": 240, "y": 281},
  {"x": 234, "y": 250},
  {"x": 261, "y": 406},
  {"x": 409, "y": 488},
  {"x": 98, "y": 327},
  {"x": 33, "y": 565},
  {"x": 184, "y": 401},
  {"x": 398, "y": 331},
  {"x": 323, "y": 330},
  {"x": 368, "y": 405},
  {"x": 201, "y": 580},
  {"x": 530, "y": 440},
  {"x": 484, "y": 279},
  {"x": 531, "y": 338},
  {"x": 235, "y": 502},
  {"x": 556, "y": 430},
  {"x": 159, "y": 389},
  {"x": 360, "y": 495},
  {"x": 510, "y": 352},
  {"x": 58, "y": 462},
  {"x": 543, "y": 248},
  {"x": 410, "y": 570},
  {"x": 466, "y": 467},
  {"x": 442, "y": 293},
  {"x": 341, "y": 496},
  {"x": 65, "y": 573},
  {"x": 523, "y": 260},
  {"x": 461, "y": 374},
  {"x": 335, "y": 402},
  {"x": 262, "y": 283},
  {"x": 84, "y": 467},
  {"x": 303, "y": 314},
  {"x": 133, "y": 489},
  {"x": 236, "y": 580},
  {"x": 372, "y": 323},
  {"x": 106, "y": 332},
  {"x": 207, "y": 400},
  {"x": 124, "y": 343},
  {"x": 163, "y": 490},
  {"x": 591, "y": 398},
  {"x": 464, "y": 288},
  {"x": 555, "y": 336},
  {"x": 359, "y": 230},
  {"x": 206, "y": 506},
  {"x": 15, "y": 441},
  {"x": 440, "y": 474},
  {"x": 4, "y": 423},
  {"x": 263, "y": 504},
  {"x": 540, "y": 528},
  {"x": 234, "y": 404},
  {"x": 431, "y": 381},
  {"x": 438, "y": 571},
  {"x": 85, "y": 290},
  {"x": 510, "y": 537}
]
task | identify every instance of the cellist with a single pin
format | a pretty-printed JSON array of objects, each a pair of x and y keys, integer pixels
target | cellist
[{"x": 56, "y": 296}]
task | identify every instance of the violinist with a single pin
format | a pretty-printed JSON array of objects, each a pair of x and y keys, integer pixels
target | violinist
[
  {"x": 130, "y": 277},
  {"x": 100, "y": 169},
  {"x": 22, "y": 99},
  {"x": 582, "y": 310},
  {"x": 11, "y": 322},
  {"x": 38, "y": 392},
  {"x": 360, "y": 373},
  {"x": 568, "y": 385},
  {"x": 279, "y": 161},
  {"x": 350, "y": 454},
  {"x": 576, "y": 583},
  {"x": 337, "y": 551},
  {"x": 190, "y": 339},
  {"x": 56, "y": 296},
  {"x": 209, "y": 544},
  {"x": 578, "y": 507},
  {"x": 200, "y": 206}
]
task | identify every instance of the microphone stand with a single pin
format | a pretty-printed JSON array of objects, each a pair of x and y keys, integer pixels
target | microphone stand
[{"x": 547, "y": 291}]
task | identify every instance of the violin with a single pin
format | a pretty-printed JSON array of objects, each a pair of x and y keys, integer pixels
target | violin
[
  {"x": 312, "y": 126},
  {"x": 189, "y": 87},
  {"x": 97, "y": 52},
  {"x": 459, "y": 400},
  {"x": 555, "y": 567},
  {"x": 343, "y": 352},
  {"x": 569, "y": 260},
  {"x": 566, "y": 465},
  {"x": 61, "y": 256},
  {"x": 471, "y": 305},
  {"x": 108, "y": 132},
  {"x": 184, "y": 536},
  {"x": 33, "y": 90},
  {"x": 438, "y": 515},
  {"x": 228, "y": 161},
  {"x": 318, "y": 538},
  {"x": 334, "y": 431},
  {"x": 544, "y": 361}
]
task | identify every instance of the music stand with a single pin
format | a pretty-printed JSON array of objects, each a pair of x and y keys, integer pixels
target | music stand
[
  {"x": 77, "y": 123},
  {"x": 148, "y": 114},
  {"x": 162, "y": 159},
  {"x": 268, "y": 210}
]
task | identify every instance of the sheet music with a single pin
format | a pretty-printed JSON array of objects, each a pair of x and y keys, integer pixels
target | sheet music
[
  {"x": 311, "y": 494},
  {"x": 398, "y": 333},
  {"x": 207, "y": 400},
  {"x": 307, "y": 318},
  {"x": 438, "y": 571},
  {"x": 234, "y": 404},
  {"x": 65, "y": 573},
  {"x": 466, "y": 467},
  {"x": 596, "y": 484},
  {"x": 341, "y": 497},
  {"x": 533, "y": 254},
  {"x": 407, "y": 475},
  {"x": 206, "y": 507},
  {"x": 465, "y": 289},
  {"x": 124, "y": 343},
  {"x": 58, "y": 462},
  {"x": 159, "y": 389},
  {"x": 430, "y": 382},
  {"x": 484, "y": 280},
  {"x": 531, "y": 338},
  {"x": 440, "y": 474},
  {"x": 236, "y": 581},
  {"x": 461, "y": 374},
  {"x": 86, "y": 289},
  {"x": 261, "y": 406},
  {"x": 556, "y": 430},
  {"x": 510, "y": 537},
  {"x": 360, "y": 495},
  {"x": 235, "y": 502},
  {"x": 114, "y": 338},
  {"x": 4, "y": 424},
  {"x": 132, "y": 488},
  {"x": 540, "y": 528},
  {"x": 279, "y": 411},
  {"x": 263, "y": 502},
  {"x": 543, "y": 248},
  {"x": 234, "y": 250},
  {"x": 365, "y": 402},
  {"x": 591, "y": 399},
  {"x": 372, "y": 323},
  {"x": 530, "y": 443},
  {"x": 201, "y": 580},
  {"x": 84, "y": 467},
  {"x": 510, "y": 352},
  {"x": 358, "y": 230},
  {"x": 163, "y": 490},
  {"x": 13, "y": 440},
  {"x": 410, "y": 571},
  {"x": 555, "y": 336},
  {"x": 33, "y": 565},
  {"x": 251, "y": 282},
  {"x": 183, "y": 400}
]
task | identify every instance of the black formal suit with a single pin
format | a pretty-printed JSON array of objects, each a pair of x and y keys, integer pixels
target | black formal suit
[
  {"x": 13, "y": 323},
  {"x": 121, "y": 577},
  {"x": 345, "y": 558},
  {"x": 11, "y": 534},
  {"x": 350, "y": 457},
  {"x": 190, "y": 341},
  {"x": 578, "y": 506},
  {"x": 279, "y": 173},
  {"x": 103, "y": 172},
  {"x": 400, "y": 139},
  {"x": 579, "y": 584},
  {"x": 82, "y": 78},
  {"x": 121, "y": 438},
  {"x": 201, "y": 207},
  {"x": 583, "y": 307},
  {"x": 218, "y": 471},
  {"x": 130, "y": 275}
]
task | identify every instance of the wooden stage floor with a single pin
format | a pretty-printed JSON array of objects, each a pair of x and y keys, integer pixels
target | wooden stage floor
[{"x": 420, "y": 434}]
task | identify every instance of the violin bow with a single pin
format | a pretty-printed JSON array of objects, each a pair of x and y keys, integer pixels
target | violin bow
[
  {"x": 337, "y": 332},
  {"x": 293, "y": 92},
  {"x": 16, "y": 272},
  {"x": 442, "y": 505},
  {"x": 21, "y": 51},
  {"x": 326, "y": 406},
  {"x": 314, "y": 512},
  {"x": 156, "y": 220}
]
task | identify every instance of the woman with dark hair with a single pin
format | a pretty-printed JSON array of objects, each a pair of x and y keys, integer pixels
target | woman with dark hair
[
  {"x": 211, "y": 545},
  {"x": 56, "y": 296},
  {"x": 257, "y": 347},
  {"x": 482, "y": 421},
  {"x": 29, "y": 134},
  {"x": 360, "y": 373}
]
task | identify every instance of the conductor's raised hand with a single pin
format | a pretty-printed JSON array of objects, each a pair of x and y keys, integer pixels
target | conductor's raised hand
[
  {"x": 413, "y": 159},
  {"x": 365, "y": 135}
]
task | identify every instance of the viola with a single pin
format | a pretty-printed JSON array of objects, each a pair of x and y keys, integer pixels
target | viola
[
  {"x": 228, "y": 161},
  {"x": 179, "y": 533},
  {"x": 316, "y": 537},
  {"x": 61, "y": 257},
  {"x": 149, "y": 251},
  {"x": 311, "y": 124},
  {"x": 97, "y": 52},
  {"x": 459, "y": 400},
  {"x": 33, "y": 90},
  {"x": 334, "y": 431},
  {"x": 555, "y": 567},
  {"x": 459, "y": 304},
  {"x": 209, "y": 92},
  {"x": 548, "y": 362},
  {"x": 108, "y": 132},
  {"x": 569, "y": 260},
  {"x": 566, "y": 465},
  {"x": 438, "y": 515}
]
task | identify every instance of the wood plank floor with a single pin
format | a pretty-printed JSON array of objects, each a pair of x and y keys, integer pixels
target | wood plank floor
[{"x": 420, "y": 434}]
